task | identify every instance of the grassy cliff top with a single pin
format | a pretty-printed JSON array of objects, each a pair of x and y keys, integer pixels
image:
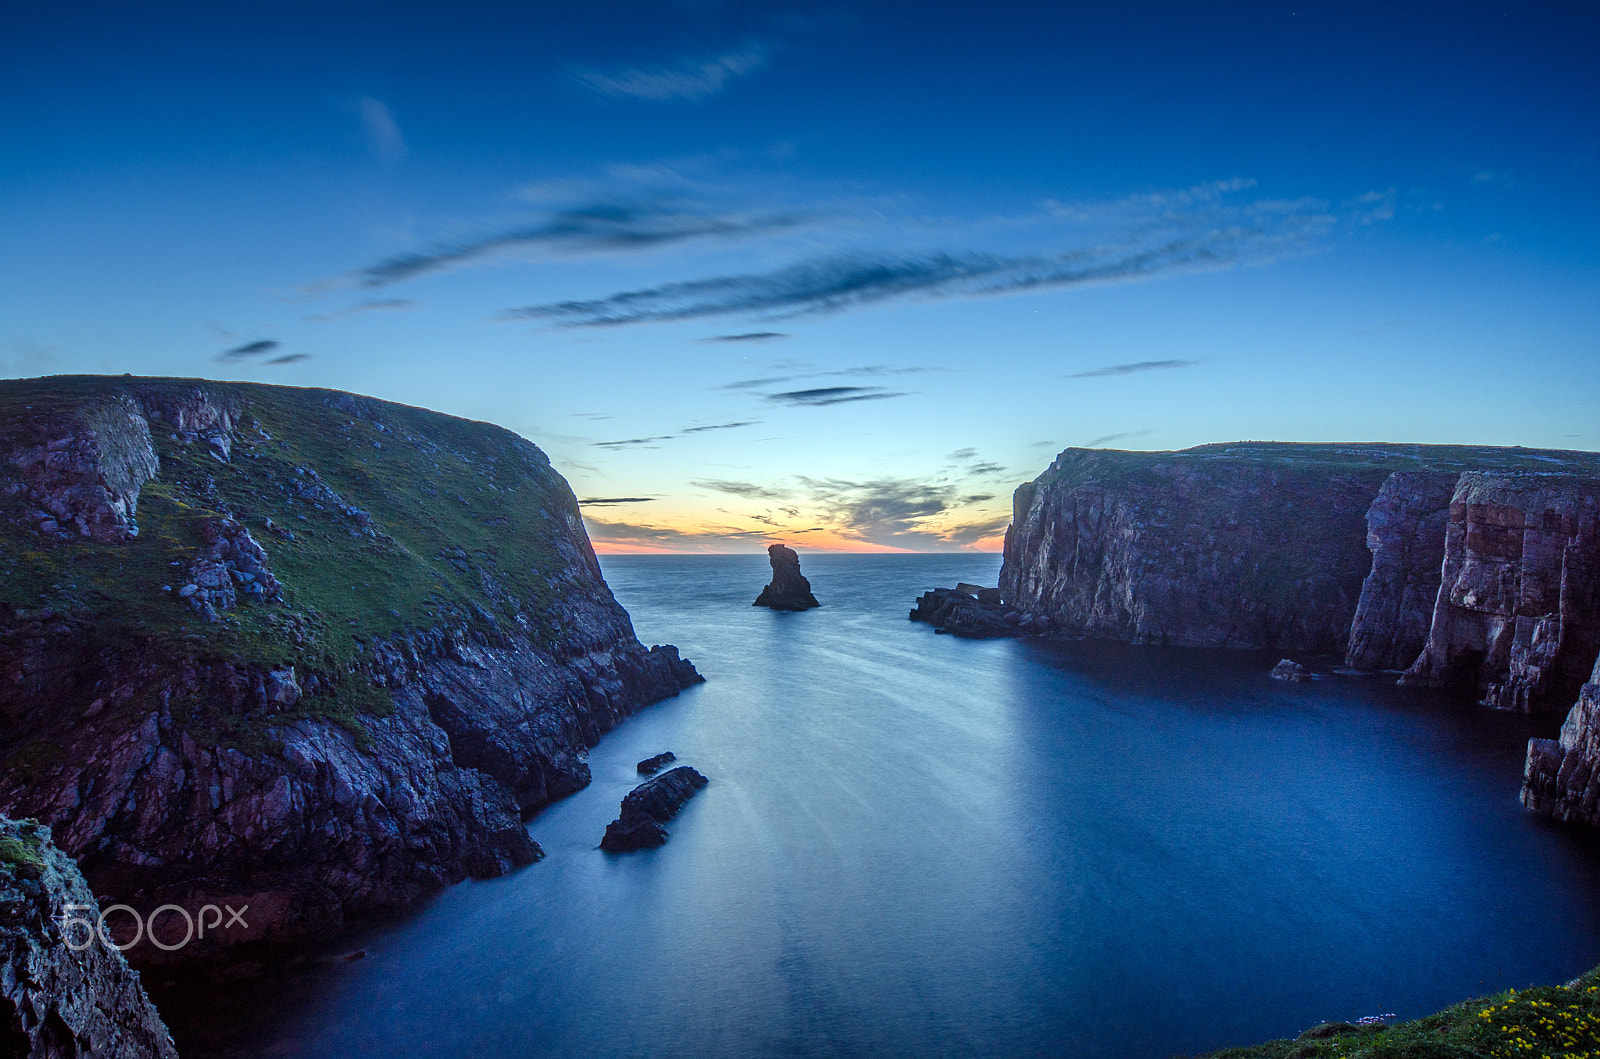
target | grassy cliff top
[
  {"x": 377, "y": 519},
  {"x": 1306, "y": 460}
]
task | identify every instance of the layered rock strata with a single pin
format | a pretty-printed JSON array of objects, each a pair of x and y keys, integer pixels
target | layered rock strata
[
  {"x": 1518, "y": 610},
  {"x": 647, "y": 808},
  {"x": 64, "y": 993},
  {"x": 1561, "y": 779},
  {"x": 363, "y": 708},
  {"x": 788, "y": 590}
]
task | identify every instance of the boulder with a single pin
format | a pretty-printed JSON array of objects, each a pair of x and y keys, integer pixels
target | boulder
[
  {"x": 1290, "y": 670},
  {"x": 960, "y": 613},
  {"x": 788, "y": 590}
]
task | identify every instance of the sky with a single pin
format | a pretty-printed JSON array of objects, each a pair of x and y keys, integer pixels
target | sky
[{"x": 838, "y": 275}]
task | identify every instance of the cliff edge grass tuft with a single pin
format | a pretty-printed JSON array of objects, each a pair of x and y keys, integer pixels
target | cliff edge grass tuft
[
  {"x": 1545, "y": 1022},
  {"x": 425, "y": 521}
]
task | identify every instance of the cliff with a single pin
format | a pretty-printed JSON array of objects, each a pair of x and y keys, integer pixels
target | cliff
[
  {"x": 295, "y": 649},
  {"x": 1471, "y": 565},
  {"x": 1562, "y": 777},
  {"x": 1518, "y": 611},
  {"x": 63, "y": 993}
]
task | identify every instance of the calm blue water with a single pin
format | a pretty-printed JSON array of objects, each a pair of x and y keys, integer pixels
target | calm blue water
[{"x": 914, "y": 845}]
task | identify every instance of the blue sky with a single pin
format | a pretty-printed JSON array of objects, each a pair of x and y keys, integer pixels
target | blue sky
[{"x": 840, "y": 275}]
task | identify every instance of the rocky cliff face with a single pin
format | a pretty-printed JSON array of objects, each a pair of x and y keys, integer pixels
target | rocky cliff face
[
  {"x": 1562, "y": 777},
  {"x": 63, "y": 992},
  {"x": 1518, "y": 611},
  {"x": 1249, "y": 546},
  {"x": 1405, "y": 533},
  {"x": 293, "y": 649}
]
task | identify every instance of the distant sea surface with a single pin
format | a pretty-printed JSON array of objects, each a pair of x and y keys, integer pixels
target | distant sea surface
[{"x": 914, "y": 845}]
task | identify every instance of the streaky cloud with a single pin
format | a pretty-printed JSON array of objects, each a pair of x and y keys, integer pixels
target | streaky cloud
[
  {"x": 372, "y": 305},
  {"x": 596, "y": 501},
  {"x": 633, "y": 442},
  {"x": 748, "y": 490},
  {"x": 831, "y": 395},
  {"x": 720, "y": 426},
  {"x": 1134, "y": 368},
  {"x": 292, "y": 358},
  {"x": 683, "y": 78},
  {"x": 250, "y": 349},
  {"x": 383, "y": 132},
  {"x": 1116, "y": 437},
  {"x": 582, "y": 229},
  {"x": 749, "y": 336}
]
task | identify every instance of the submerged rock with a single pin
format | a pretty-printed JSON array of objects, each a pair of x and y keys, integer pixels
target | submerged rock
[
  {"x": 788, "y": 590},
  {"x": 1289, "y": 669},
  {"x": 63, "y": 993},
  {"x": 651, "y": 765},
  {"x": 647, "y": 807}
]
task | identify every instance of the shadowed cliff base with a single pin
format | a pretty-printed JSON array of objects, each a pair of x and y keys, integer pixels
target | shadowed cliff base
[{"x": 300, "y": 649}]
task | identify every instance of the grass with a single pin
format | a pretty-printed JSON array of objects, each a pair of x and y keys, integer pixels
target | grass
[
  {"x": 464, "y": 519},
  {"x": 1546, "y": 1022}
]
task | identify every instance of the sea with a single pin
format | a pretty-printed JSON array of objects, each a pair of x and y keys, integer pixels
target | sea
[{"x": 922, "y": 846}]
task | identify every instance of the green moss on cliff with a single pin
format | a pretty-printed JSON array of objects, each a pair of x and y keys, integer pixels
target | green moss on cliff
[
  {"x": 1547, "y": 1022},
  {"x": 420, "y": 520}
]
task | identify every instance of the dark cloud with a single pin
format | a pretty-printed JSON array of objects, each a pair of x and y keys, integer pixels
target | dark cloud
[
  {"x": 1134, "y": 368},
  {"x": 292, "y": 358},
  {"x": 830, "y": 395},
  {"x": 596, "y": 501},
  {"x": 649, "y": 537},
  {"x": 985, "y": 469},
  {"x": 631, "y": 442},
  {"x": 250, "y": 349},
  {"x": 1116, "y": 437},
  {"x": 751, "y": 336},
  {"x": 854, "y": 280},
  {"x": 582, "y": 229},
  {"x": 962, "y": 454},
  {"x": 965, "y": 533},
  {"x": 868, "y": 370},
  {"x": 749, "y": 490}
]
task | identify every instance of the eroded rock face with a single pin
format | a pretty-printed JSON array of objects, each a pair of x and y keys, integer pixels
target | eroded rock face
[
  {"x": 82, "y": 468},
  {"x": 1248, "y": 546},
  {"x": 1561, "y": 779},
  {"x": 1518, "y": 611},
  {"x": 63, "y": 993},
  {"x": 246, "y": 760},
  {"x": 649, "y": 806},
  {"x": 788, "y": 589},
  {"x": 1405, "y": 533}
]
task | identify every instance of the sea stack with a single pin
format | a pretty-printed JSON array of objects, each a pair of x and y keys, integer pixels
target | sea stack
[{"x": 789, "y": 590}]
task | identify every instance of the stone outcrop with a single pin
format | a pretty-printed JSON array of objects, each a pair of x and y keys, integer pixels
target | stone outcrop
[
  {"x": 965, "y": 614},
  {"x": 1561, "y": 779},
  {"x": 788, "y": 589},
  {"x": 1292, "y": 671},
  {"x": 1405, "y": 533},
  {"x": 648, "y": 807},
  {"x": 64, "y": 993},
  {"x": 652, "y": 765},
  {"x": 379, "y": 704},
  {"x": 1518, "y": 610}
]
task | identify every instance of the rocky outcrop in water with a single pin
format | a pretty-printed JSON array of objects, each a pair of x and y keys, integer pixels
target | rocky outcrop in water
[
  {"x": 1518, "y": 611},
  {"x": 964, "y": 614},
  {"x": 652, "y": 765},
  {"x": 649, "y": 806},
  {"x": 63, "y": 992},
  {"x": 1290, "y": 670},
  {"x": 1561, "y": 779},
  {"x": 367, "y": 706},
  {"x": 788, "y": 589}
]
